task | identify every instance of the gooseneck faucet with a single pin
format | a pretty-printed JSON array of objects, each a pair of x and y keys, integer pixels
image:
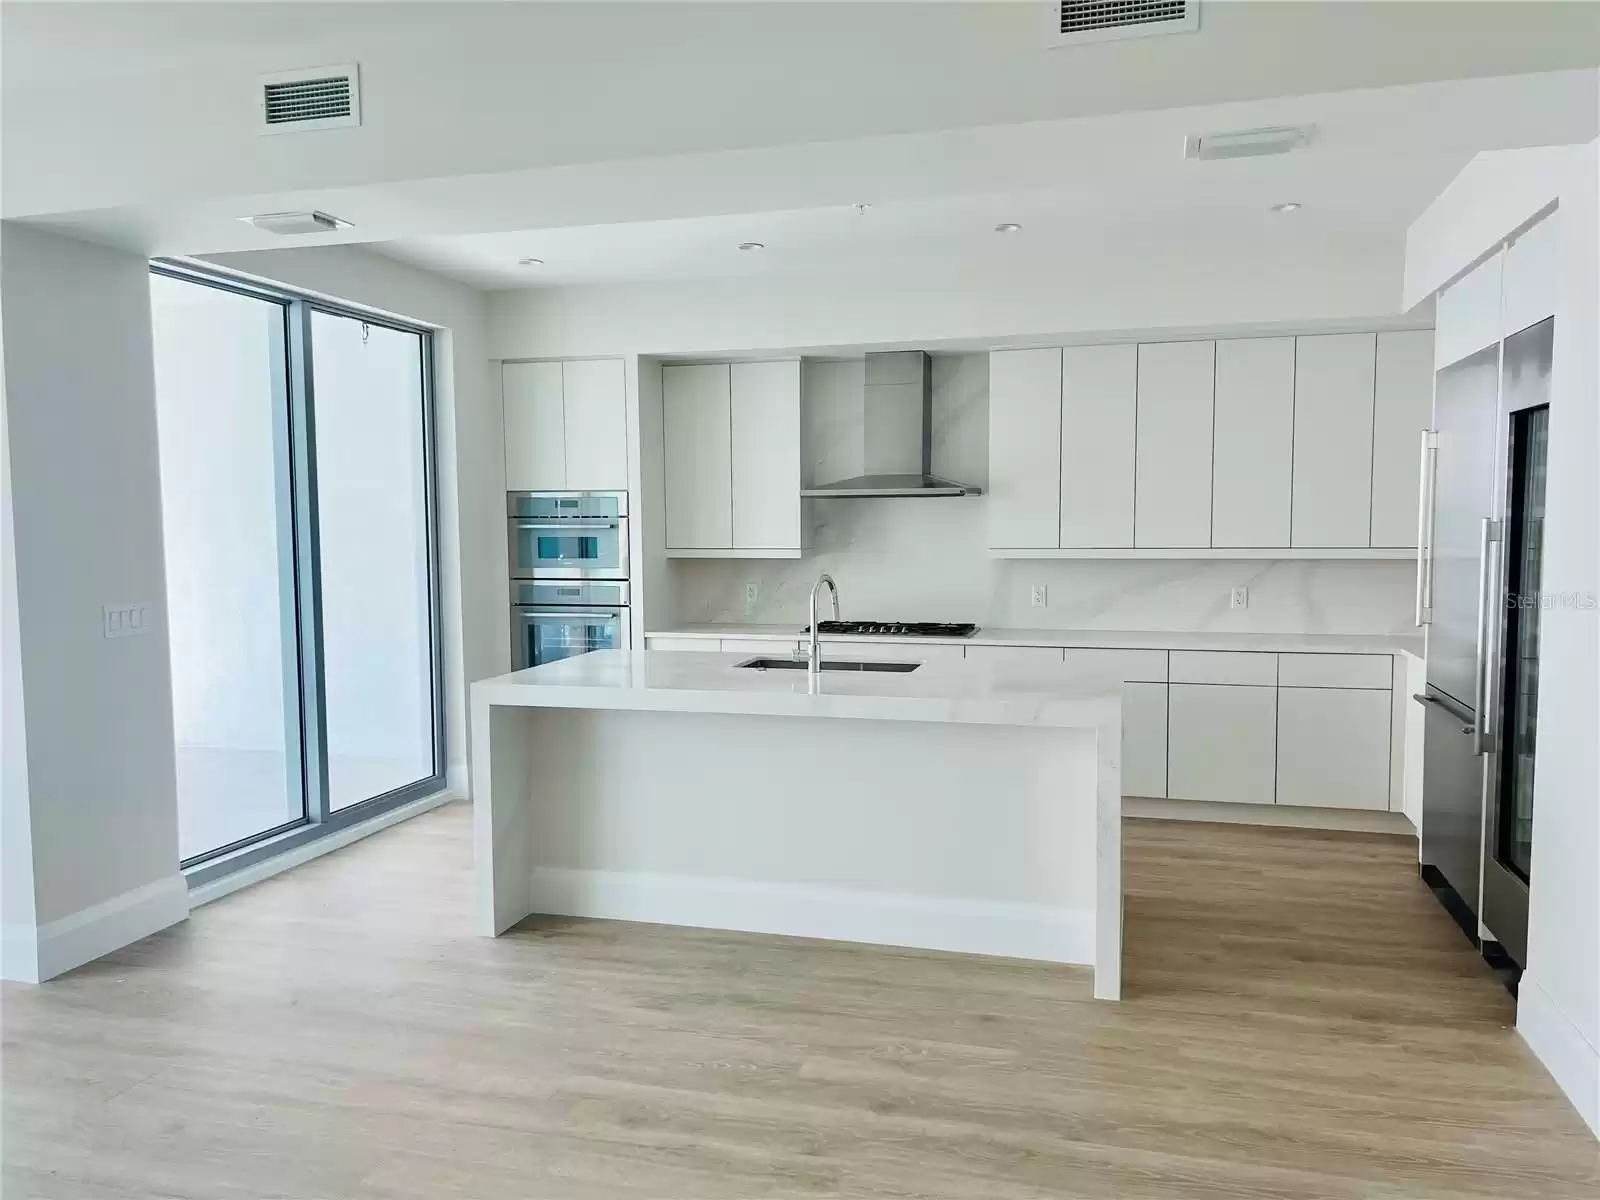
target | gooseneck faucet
[{"x": 814, "y": 655}]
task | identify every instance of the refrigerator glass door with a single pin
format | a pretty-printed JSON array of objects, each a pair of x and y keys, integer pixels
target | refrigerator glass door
[{"x": 1514, "y": 707}]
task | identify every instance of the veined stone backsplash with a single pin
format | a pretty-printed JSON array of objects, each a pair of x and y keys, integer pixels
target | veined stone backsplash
[{"x": 927, "y": 559}]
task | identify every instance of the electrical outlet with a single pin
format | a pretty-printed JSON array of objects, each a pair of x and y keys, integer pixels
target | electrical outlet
[
  {"x": 126, "y": 620},
  {"x": 1240, "y": 598},
  {"x": 752, "y": 593},
  {"x": 1040, "y": 595}
]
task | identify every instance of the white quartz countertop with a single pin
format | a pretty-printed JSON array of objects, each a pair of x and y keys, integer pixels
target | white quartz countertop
[
  {"x": 1283, "y": 643},
  {"x": 664, "y": 681}
]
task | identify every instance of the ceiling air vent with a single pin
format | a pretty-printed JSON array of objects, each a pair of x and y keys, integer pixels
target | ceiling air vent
[
  {"x": 311, "y": 98},
  {"x": 1073, "y": 22}
]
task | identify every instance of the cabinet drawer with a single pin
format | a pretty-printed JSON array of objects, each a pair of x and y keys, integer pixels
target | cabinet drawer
[
  {"x": 769, "y": 647},
  {"x": 904, "y": 650},
  {"x": 1336, "y": 670},
  {"x": 1018, "y": 661},
  {"x": 710, "y": 645},
  {"x": 1125, "y": 666},
  {"x": 1333, "y": 748},
  {"x": 1222, "y": 743},
  {"x": 1224, "y": 666}
]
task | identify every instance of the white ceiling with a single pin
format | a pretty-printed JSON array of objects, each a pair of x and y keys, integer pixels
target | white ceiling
[
  {"x": 155, "y": 100},
  {"x": 1377, "y": 159}
]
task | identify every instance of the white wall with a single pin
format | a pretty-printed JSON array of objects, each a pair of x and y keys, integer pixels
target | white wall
[
  {"x": 1559, "y": 1007},
  {"x": 928, "y": 559},
  {"x": 468, "y": 428},
  {"x": 86, "y": 518},
  {"x": 1181, "y": 282}
]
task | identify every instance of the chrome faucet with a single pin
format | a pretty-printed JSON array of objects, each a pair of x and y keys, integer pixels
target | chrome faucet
[{"x": 814, "y": 656}]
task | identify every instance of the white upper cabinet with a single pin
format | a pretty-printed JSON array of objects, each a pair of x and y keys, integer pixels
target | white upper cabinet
[
  {"x": 1250, "y": 471},
  {"x": 1333, "y": 440},
  {"x": 594, "y": 411},
  {"x": 535, "y": 427},
  {"x": 566, "y": 426},
  {"x": 765, "y": 402},
  {"x": 732, "y": 448},
  {"x": 1024, "y": 502},
  {"x": 697, "y": 418},
  {"x": 1402, "y": 409},
  {"x": 1098, "y": 405},
  {"x": 1172, "y": 483},
  {"x": 1531, "y": 271},
  {"x": 1467, "y": 314}
]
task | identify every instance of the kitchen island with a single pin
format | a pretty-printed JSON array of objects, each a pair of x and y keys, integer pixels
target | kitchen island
[{"x": 943, "y": 807}]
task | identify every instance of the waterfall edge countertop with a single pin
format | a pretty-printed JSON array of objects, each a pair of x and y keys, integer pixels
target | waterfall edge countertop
[
  {"x": 663, "y": 681},
  {"x": 1267, "y": 643}
]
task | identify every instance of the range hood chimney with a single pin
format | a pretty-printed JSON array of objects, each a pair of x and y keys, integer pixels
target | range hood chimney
[{"x": 897, "y": 419}]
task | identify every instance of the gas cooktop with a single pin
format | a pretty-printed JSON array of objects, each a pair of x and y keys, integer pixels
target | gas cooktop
[{"x": 945, "y": 629}]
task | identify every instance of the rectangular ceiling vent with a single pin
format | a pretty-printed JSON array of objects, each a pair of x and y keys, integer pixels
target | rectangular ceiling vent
[
  {"x": 1247, "y": 143},
  {"x": 310, "y": 98},
  {"x": 1073, "y": 22}
]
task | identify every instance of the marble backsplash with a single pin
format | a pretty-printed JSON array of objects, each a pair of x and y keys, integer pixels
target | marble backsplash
[{"x": 928, "y": 560}]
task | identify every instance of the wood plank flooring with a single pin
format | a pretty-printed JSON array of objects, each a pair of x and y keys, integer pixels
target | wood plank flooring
[{"x": 1302, "y": 1022}]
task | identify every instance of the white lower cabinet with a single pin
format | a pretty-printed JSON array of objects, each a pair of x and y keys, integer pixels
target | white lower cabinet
[
  {"x": 764, "y": 647},
  {"x": 1333, "y": 747},
  {"x": 1222, "y": 742},
  {"x": 1144, "y": 739},
  {"x": 901, "y": 651},
  {"x": 703, "y": 644}
]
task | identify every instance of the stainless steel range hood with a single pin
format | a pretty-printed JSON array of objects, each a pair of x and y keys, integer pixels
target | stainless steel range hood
[{"x": 897, "y": 434}]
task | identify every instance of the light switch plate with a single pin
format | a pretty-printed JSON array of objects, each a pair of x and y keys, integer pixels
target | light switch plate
[
  {"x": 1240, "y": 598},
  {"x": 1040, "y": 595},
  {"x": 126, "y": 620}
]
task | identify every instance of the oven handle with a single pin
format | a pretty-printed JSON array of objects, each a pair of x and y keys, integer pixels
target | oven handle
[
  {"x": 565, "y": 523},
  {"x": 531, "y": 610}
]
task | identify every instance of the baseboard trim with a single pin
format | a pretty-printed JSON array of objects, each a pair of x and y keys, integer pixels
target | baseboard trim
[
  {"x": 1349, "y": 820},
  {"x": 1560, "y": 1045},
  {"x": 56, "y": 947},
  {"x": 833, "y": 914},
  {"x": 226, "y": 885}
]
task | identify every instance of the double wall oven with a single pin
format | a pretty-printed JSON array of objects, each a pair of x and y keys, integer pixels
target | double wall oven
[{"x": 569, "y": 574}]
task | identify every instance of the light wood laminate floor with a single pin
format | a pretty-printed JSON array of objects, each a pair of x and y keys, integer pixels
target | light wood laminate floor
[{"x": 1302, "y": 1021}]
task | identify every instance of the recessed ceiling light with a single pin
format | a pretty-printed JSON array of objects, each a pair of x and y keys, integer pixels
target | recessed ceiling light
[
  {"x": 1287, "y": 206},
  {"x": 752, "y": 245},
  {"x": 530, "y": 262},
  {"x": 1008, "y": 227}
]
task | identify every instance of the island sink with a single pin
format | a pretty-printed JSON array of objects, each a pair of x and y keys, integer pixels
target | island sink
[{"x": 799, "y": 664}]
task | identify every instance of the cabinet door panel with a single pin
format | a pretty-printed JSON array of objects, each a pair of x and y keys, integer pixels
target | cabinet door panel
[
  {"x": 1172, "y": 504},
  {"x": 1222, "y": 742},
  {"x": 595, "y": 408},
  {"x": 1333, "y": 392},
  {"x": 1401, "y": 410},
  {"x": 1254, "y": 451},
  {"x": 1333, "y": 748},
  {"x": 1018, "y": 662},
  {"x": 1531, "y": 277},
  {"x": 1144, "y": 739},
  {"x": 698, "y": 435},
  {"x": 766, "y": 455},
  {"x": 1024, "y": 500},
  {"x": 900, "y": 650},
  {"x": 1098, "y": 403},
  {"x": 535, "y": 427}
]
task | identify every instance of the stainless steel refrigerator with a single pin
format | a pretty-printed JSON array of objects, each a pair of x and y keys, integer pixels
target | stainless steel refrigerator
[{"x": 1479, "y": 594}]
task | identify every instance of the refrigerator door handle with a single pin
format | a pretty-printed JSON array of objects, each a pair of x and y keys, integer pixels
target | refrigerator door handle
[
  {"x": 1489, "y": 536},
  {"x": 1426, "y": 498}
]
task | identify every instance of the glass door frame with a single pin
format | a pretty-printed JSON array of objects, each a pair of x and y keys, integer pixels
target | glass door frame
[{"x": 300, "y": 575}]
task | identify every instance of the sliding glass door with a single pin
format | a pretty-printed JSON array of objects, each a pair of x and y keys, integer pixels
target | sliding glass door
[
  {"x": 298, "y": 489},
  {"x": 373, "y": 522}
]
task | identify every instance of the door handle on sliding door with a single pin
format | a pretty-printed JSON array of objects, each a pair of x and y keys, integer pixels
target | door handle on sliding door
[{"x": 1489, "y": 537}]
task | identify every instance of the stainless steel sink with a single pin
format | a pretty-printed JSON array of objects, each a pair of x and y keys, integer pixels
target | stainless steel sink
[{"x": 799, "y": 664}]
